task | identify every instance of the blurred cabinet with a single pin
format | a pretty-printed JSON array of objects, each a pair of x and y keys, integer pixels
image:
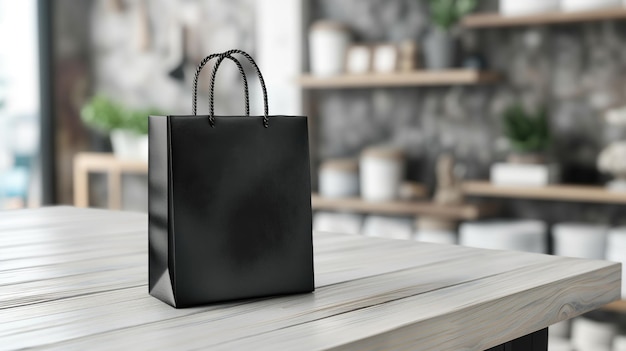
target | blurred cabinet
[{"x": 88, "y": 162}]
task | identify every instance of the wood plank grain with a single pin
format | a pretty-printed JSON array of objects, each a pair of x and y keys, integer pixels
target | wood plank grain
[
  {"x": 273, "y": 314},
  {"x": 473, "y": 316}
]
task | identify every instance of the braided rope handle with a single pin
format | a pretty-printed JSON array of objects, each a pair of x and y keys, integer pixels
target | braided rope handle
[
  {"x": 261, "y": 80},
  {"x": 197, "y": 76}
]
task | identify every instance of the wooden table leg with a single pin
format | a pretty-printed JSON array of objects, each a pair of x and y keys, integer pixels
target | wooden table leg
[
  {"x": 115, "y": 189},
  {"x": 537, "y": 341},
  {"x": 81, "y": 184}
]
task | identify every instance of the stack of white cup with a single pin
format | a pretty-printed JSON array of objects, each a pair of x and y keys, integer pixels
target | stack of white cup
[
  {"x": 433, "y": 230},
  {"x": 619, "y": 343},
  {"x": 343, "y": 223},
  {"x": 558, "y": 337},
  {"x": 589, "y": 335},
  {"x": 518, "y": 235},
  {"x": 388, "y": 227},
  {"x": 580, "y": 240},
  {"x": 616, "y": 251}
]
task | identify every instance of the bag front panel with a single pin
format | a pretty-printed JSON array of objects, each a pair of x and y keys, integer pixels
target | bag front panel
[{"x": 241, "y": 210}]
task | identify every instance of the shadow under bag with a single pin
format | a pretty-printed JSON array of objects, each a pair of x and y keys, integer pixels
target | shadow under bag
[{"x": 229, "y": 203}]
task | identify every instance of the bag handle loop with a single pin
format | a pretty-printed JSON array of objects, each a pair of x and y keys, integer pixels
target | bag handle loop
[
  {"x": 227, "y": 54},
  {"x": 197, "y": 76}
]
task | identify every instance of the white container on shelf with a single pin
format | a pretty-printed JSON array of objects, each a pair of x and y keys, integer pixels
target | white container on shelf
[
  {"x": 517, "y": 235},
  {"x": 342, "y": 223},
  {"x": 388, "y": 227},
  {"x": 590, "y": 335},
  {"x": 328, "y": 45},
  {"x": 588, "y": 5},
  {"x": 527, "y": 7},
  {"x": 616, "y": 251},
  {"x": 579, "y": 240},
  {"x": 339, "y": 178},
  {"x": 524, "y": 174},
  {"x": 382, "y": 171}
]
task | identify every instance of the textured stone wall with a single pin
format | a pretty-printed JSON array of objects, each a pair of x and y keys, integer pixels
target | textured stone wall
[
  {"x": 146, "y": 52},
  {"x": 576, "y": 71}
]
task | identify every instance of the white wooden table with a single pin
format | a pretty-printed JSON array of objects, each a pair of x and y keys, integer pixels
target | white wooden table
[{"x": 76, "y": 279}]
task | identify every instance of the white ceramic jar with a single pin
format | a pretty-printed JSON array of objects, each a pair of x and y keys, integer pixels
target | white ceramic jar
[
  {"x": 328, "y": 45},
  {"x": 579, "y": 240},
  {"x": 339, "y": 178},
  {"x": 382, "y": 172}
]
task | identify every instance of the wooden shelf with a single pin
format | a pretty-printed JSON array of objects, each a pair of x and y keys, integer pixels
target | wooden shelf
[
  {"x": 617, "y": 306},
  {"x": 414, "y": 208},
  {"x": 400, "y": 79},
  {"x": 576, "y": 193},
  {"x": 489, "y": 20}
]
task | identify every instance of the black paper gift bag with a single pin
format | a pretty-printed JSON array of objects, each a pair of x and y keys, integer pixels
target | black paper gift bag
[{"x": 229, "y": 204}]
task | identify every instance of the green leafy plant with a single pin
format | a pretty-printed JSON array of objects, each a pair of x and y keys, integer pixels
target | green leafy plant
[
  {"x": 527, "y": 132},
  {"x": 106, "y": 115},
  {"x": 446, "y": 13}
]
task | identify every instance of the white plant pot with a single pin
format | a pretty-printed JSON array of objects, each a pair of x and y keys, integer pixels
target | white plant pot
[
  {"x": 328, "y": 45},
  {"x": 527, "y": 7},
  {"x": 129, "y": 146},
  {"x": 439, "y": 49},
  {"x": 588, "y": 5}
]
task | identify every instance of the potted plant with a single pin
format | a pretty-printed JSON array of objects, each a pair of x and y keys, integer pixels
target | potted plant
[
  {"x": 127, "y": 128},
  {"x": 529, "y": 137},
  {"x": 528, "y": 134},
  {"x": 439, "y": 43}
]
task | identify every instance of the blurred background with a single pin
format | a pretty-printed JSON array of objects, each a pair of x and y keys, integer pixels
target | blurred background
[{"x": 487, "y": 123}]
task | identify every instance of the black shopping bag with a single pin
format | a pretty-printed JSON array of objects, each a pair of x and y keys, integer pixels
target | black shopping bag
[{"x": 229, "y": 204}]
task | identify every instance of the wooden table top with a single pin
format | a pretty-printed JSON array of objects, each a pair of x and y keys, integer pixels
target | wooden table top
[{"x": 77, "y": 279}]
